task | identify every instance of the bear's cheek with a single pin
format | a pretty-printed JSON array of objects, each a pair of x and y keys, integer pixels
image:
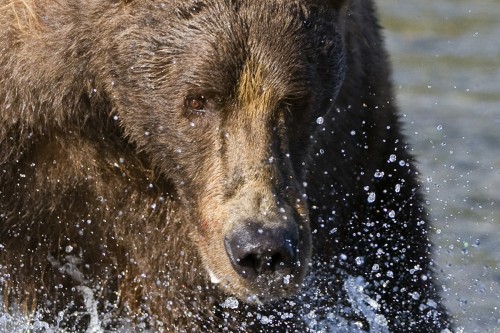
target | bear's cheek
[{"x": 208, "y": 229}]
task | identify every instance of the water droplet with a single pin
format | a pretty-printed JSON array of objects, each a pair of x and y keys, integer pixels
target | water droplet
[
  {"x": 359, "y": 261},
  {"x": 439, "y": 127},
  {"x": 230, "y": 303},
  {"x": 371, "y": 197},
  {"x": 431, "y": 303},
  {"x": 381, "y": 320},
  {"x": 320, "y": 120}
]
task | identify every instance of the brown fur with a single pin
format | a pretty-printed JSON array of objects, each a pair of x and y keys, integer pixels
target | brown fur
[{"x": 108, "y": 169}]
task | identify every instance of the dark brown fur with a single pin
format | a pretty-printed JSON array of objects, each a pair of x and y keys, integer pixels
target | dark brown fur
[{"x": 137, "y": 137}]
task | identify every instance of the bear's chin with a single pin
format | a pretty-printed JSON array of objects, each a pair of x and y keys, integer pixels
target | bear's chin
[{"x": 260, "y": 291}]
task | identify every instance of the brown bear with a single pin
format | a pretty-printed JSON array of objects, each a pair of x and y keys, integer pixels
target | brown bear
[{"x": 207, "y": 165}]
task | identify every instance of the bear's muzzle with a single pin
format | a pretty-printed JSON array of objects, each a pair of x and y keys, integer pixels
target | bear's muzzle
[{"x": 257, "y": 251}]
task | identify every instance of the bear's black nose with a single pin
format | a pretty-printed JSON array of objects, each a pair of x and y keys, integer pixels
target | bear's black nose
[{"x": 255, "y": 250}]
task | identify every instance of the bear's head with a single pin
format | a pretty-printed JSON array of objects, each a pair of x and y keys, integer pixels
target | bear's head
[{"x": 224, "y": 97}]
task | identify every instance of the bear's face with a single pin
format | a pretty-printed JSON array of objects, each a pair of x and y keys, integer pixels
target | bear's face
[{"x": 223, "y": 97}]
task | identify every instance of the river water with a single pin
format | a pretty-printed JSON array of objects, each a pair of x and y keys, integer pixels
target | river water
[{"x": 446, "y": 61}]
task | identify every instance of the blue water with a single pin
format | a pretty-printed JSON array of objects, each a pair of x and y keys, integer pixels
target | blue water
[{"x": 446, "y": 60}]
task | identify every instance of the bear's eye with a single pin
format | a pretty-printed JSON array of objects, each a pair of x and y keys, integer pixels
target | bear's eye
[{"x": 196, "y": 103}]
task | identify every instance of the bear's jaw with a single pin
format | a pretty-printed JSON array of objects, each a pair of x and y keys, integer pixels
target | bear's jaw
[{"x": 250, "y": 299}]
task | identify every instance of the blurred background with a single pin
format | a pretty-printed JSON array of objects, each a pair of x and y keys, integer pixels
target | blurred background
[{"x": 446, "y": 62}]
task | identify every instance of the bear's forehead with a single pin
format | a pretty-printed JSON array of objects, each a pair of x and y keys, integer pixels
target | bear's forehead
[
  {"x": 251, "y": 50},
  {"x": 259, "y": 88},
  {"x": 285, "y": 16}
]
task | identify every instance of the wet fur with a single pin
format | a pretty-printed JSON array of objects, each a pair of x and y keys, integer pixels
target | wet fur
[{"x": 83, "y": 185}]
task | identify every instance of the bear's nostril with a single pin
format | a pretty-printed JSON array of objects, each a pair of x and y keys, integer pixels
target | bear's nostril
[
  {"x": 268, "y": 263},
  {"x": 254, "y": 251}
]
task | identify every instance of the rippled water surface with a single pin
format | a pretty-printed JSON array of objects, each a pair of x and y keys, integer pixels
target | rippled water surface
[{"x": 446, "y": 60}]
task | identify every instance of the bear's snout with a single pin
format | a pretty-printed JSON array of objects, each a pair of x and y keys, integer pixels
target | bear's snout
[{"x": 256, "y": 251}]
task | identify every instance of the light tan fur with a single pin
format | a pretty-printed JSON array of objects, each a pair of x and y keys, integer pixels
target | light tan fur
[
  {"x": 254, "y": 96},
  {"x": 23, "y": 15}
]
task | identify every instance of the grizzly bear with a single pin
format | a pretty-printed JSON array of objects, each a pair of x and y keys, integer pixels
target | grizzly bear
[{"x": 207, "y": 165}]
